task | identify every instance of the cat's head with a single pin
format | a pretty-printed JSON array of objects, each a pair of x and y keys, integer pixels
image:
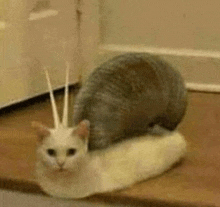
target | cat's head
[{"x": 63, "y": 148}]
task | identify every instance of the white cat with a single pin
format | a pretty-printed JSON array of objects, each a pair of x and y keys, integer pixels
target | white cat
[{"x": 65, "y": 168}]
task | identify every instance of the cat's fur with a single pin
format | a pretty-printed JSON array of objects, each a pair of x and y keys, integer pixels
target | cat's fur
[
  {"x": 127, "y": 95},
  {"x": 86, "y": 173}
]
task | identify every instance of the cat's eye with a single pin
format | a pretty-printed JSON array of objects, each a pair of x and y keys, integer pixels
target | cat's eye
[
  {"x": 51, "y": 152},
  {"x": 71, "y": 152}
]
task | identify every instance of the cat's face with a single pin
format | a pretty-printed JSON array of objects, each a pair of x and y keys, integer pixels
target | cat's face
[{"x": 62, "y": 149}]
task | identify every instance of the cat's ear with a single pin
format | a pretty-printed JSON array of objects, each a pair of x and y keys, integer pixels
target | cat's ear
[
  {"x": 42, "y": 131},
  {"x": 82, "y": 130}
]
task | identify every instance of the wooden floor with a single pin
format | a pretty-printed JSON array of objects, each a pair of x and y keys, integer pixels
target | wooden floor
[{"x": 195, "y": 181}]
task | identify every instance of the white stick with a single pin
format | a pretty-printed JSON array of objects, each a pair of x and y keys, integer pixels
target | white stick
[
  {"x": 53, "y": 103},
  {"x": 66, "y": 96}
]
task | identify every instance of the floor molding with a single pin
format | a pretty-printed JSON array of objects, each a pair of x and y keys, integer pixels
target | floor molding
[
  {"x": 206, "y": 88},
  {"x": 161, "y": 51}
]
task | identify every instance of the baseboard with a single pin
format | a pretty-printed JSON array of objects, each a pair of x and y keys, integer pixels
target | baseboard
[
  {"x": 162, "y": 51},
  {"x": 206, "y": 88}
]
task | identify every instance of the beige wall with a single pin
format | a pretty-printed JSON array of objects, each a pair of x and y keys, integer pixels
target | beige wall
[{"x": 173, "y": 23}]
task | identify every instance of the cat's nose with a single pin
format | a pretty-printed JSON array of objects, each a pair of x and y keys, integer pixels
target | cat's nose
[{"x": 60, "y": 164}]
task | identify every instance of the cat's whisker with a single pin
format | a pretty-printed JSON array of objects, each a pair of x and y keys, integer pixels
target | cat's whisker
[
  {"x": 65, "y": 108},
  {"x": 53, "y": 103}
]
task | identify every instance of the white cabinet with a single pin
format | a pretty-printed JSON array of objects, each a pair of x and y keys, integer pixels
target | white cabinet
[{"x": 35, "y": 34}]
